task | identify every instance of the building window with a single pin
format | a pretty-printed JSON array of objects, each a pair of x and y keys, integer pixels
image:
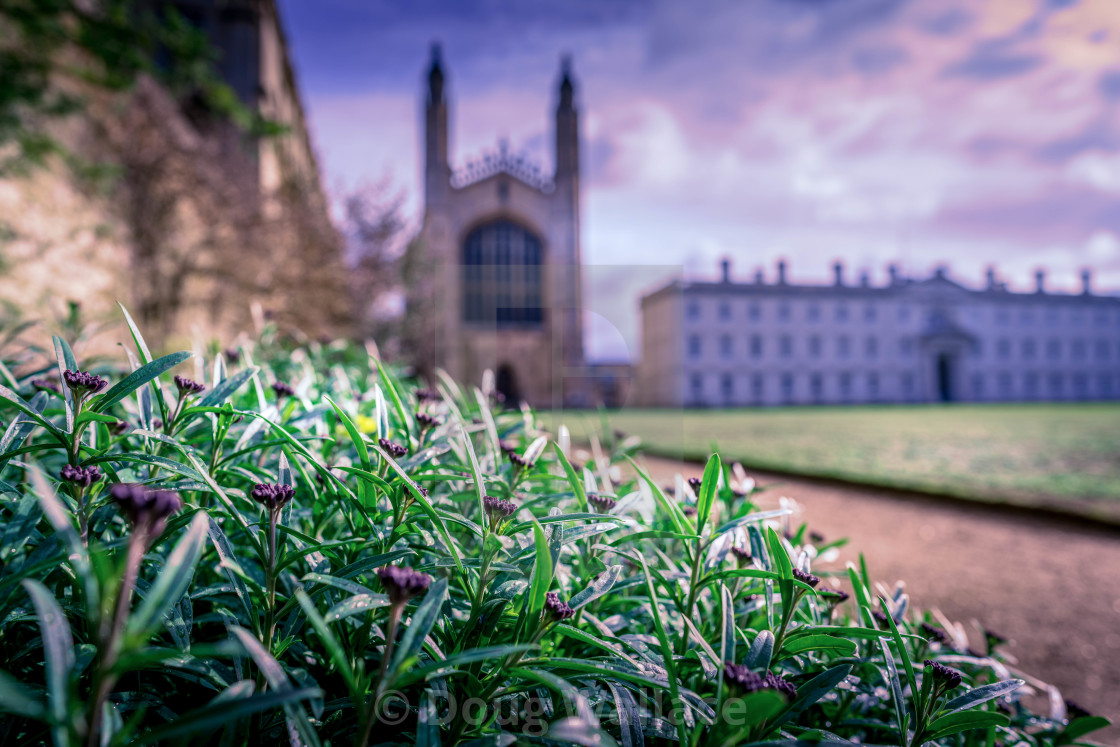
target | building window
[
  {"x": 1102, "y": 350},
  {"x": 1001, "y": 316},
  {"x": 813, "y": 313},
  {"x": 908, "y": 384},
  {"x": 697, "y": 382},
  {"x": 816, "y": 387},
  {"x": 873, "y": 385},
  {"x": 1030, "y": 384},
  {"x": 783, "y": 312},
  {"x": 754, "y": 312},
  {"x": 1100, "y": 318},
  {"x": 502, "y": 276},
  {"x": 1104, "y": 385},
  {"x": 785, "y": 346},
  {"x": 1026, "y": 317},
  {"x": 756, "y": 387},
  {"x": 1003, "y": 347},
  {"x": 693, "y": 310},
  {"x": 1005, "y": 384},
  {"x": 1080, "y": 385},
  {"x": 1054, "y": 349},
  {"x": 977, "y": 349},
  {"x": 694, "y": 346},
  {"x": 814, "y": 347},
  {"x": 1051, "y": 316},
  {"x": 871, "y": 345},
  {"x": 727, "y": 386},
  {"x": 869, "y": 313},
  {"x": 1055, "y": 385},
  {"x": 845, "y": 386},
  {"x": 842, "y": 346},
  {"x": 725, "y": 346},
  {"x": 841, "y": 312},
  {"x": 906, "y": 346},
  {"x": 1028, "y": 350},
  {"x": 787, "y": 387},
  {"x": 1077, "y": 350},
  {"x": 724, "y": 311},
  {"x": 756, "y": 346},
  {"x": 903, "y": 313},
  {"x": 1078, "y": 316},
  {"x": 978, "y": 385}
]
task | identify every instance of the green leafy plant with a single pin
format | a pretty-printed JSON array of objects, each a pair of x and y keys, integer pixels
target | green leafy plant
[{"x": 307, "y": 547}]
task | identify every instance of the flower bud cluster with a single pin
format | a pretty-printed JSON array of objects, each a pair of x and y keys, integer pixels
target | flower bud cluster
[
  {"x": 402, "y": 583},
  {"x": 81, "y": 477}
]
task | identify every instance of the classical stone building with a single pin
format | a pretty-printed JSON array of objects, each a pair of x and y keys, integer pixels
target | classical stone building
[
  {"x": 728, "y": 343},
  {"x": 497, "y": 270}
]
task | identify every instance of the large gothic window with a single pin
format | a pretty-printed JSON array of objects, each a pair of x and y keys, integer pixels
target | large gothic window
[{"x": 502, "y": 276}]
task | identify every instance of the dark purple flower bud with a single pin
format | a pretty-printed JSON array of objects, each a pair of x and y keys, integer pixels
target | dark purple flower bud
[
  {"x": 1073, "y": 710},
  {"x": 498, "y": 509},
  {"x": 943, "y": 676},
  {"x": 426, "y": 421},
  {"x": 426, "y": 395},
  {"x": 144, "y": 507},
  {"x": 82, "y": 383},
  {"x": 188, "y": 387},
  {"x": 816, "y": 538},
  {"x": 520, "y": 460},
  {"x": 233, "y": 355},
  {"x": 806, "y": 578},
  {"x": 119, "y": 427},
  {"x": 556, "y": 610},
  {"x": 402, "y": 583},
  {"x": 835, "y": 596},
  {"x": 993, "y": 639},
  {"x": 743, "y": 558},
  {"x": 81, "y": 477},
  {"x": 740, "y": 679},
  {"x": 157, "y": 424},
  {"x": 694, "y": 483},
  {"x": 272, "y": 496},
  {"x": 689, "y": 510},
  {"x": 602, "y": 503},
  {"x": 881, "y": 619},
  {"x": 282, "y": 389},
  {"x": 782, "y": 685},
  {"x": 394, "y": 450},
  {"x": 46, "y": 385},
  {"x": 507, "y": 447},
  {"x": 934, "y": 633}
]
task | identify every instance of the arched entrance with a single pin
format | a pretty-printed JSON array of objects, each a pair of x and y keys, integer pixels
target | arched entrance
[
  {"x": 505, "y": 381},
  {"x": 945, "y": 377}
]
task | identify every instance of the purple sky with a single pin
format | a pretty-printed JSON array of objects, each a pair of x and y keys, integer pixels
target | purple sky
[{"x": 920, "y": 131}]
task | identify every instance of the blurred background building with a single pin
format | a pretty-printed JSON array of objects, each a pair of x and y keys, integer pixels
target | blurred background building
[{"x": 731, "y": 343}]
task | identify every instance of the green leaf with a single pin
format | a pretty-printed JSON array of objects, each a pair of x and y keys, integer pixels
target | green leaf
[
  {"x": 393, "y": 388},
  {"x": 19, "y": 699},
  {"x": 1079, "y": 727},
  {"x": 221, "y": 392},
  {"x": 137, "y": 379},
  {"x": 954, "y": 723},
  {"x": 277, "y": 680},
  {"x": 224, "y": 710},
  {"x": 58, "y": 653},
  {"x": 900, "y": 645},
  {"x": 423, "y": 620},
  {"x": 355, "y": 435},
  {"x": 542, "y": 572},
  {"x": 761, "y": 651},
  {"x": 815, "y": 689},
  {"x": 666, "y": 647},
  {"x": 173, "y": 580},
  {"x": 597, "y": 588},
  {"x": 19, "y": 429},
  {"x": 982, "y": 694},
  {"x": 330, "y": 642},
  {"x": 31, "y": 412},
  {"x": 573, "y": 478},
  {"x": 826, "y": 643},
  {"x": 65, "y": 357},
  {"x": 680, "y": 521},
  {"x": 145, "y": 357},
  {"x": 709, "y": 485},
  {"x": 356, "y": 605}
]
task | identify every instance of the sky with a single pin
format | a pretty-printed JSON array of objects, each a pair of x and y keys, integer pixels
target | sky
[{"x": 923, "y": 132}]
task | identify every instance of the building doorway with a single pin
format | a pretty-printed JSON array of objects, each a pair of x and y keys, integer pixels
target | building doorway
[
  {"x": 945, "y": 377},
  {"x": 506, "y": 384}
]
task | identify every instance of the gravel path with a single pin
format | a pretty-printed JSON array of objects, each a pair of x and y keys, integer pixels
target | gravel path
[{"x": 1052, "y": 588}]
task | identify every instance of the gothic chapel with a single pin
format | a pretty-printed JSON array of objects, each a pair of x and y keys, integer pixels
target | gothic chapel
[{"x": 498, "y": 260}]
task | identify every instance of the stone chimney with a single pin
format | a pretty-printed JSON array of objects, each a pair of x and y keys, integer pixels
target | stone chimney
[
  {"x": 1040, "y": 281},
  {"x": 781, "y": 272},
  {"x": 838, "y": 273},
  {"x": 725, "y": 269},
  {"x": 990, "y": 275},
  {"x": 1086, "y": 278},
  {"x": 892, "y": 271},
  {"x": 864, "y": 279},
  {"x": 758, "y": 277}
]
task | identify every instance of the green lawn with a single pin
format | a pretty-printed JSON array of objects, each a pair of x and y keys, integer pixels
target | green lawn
[{"x": 1046, "y": 453}]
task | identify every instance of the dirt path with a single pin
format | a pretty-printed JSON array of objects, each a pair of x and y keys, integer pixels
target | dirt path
[{"x": 1050, "y": 587}]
